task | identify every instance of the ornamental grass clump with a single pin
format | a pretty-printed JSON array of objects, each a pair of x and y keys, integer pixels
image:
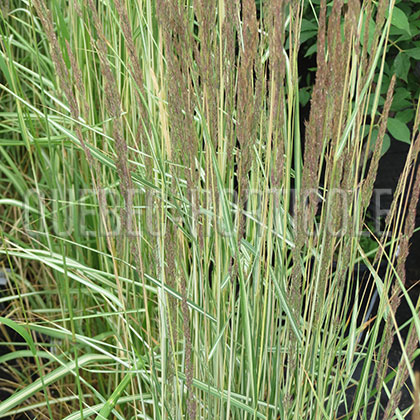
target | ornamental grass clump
[{"x": 184, "y": 241}]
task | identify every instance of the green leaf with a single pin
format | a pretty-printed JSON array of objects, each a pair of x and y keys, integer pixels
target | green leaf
[
  {"x": 113, "y": 399},
  {"x": 399, "y": 35},
  {"x": 381, "y": 102},
  {"x": 401, "y": 100},
  {"x": 304, "y": 36},
  {"x": 308, "y": 25},
  {"x": 311, "y": 50},
  {"x": 304, "y": 96},
  {"x": 413, "y": 53},
  {"x": 400, "y": 20},
  {"x": 399, "y": 130},
  {"x": 24, "y": 394},
  {"x": 385, "y": 83},
  {"x": 386, "y": 143},
  {"x": 406, "y": 116},
  {"x": 402, "y": 65},
  {"x": 22, "y": 331}
]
